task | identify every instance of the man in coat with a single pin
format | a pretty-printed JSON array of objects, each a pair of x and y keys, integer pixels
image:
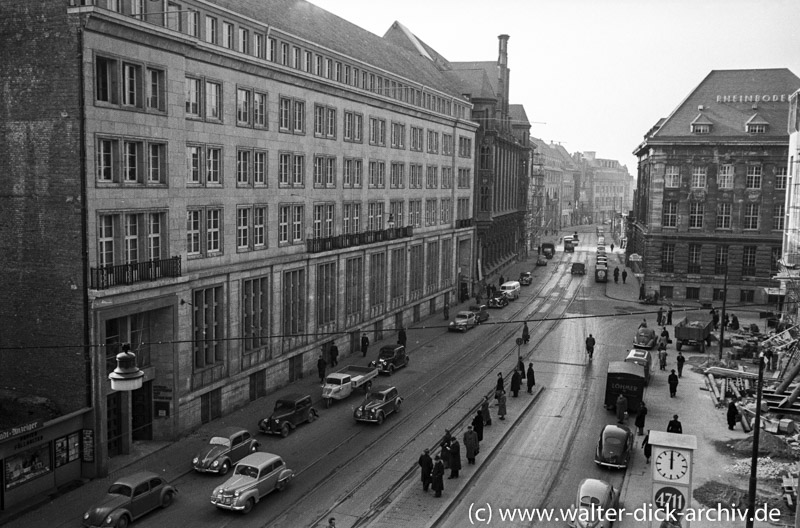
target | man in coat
[
  {"x": 531, "y": 378},
  {"x": 455, "y": 458},
  {"x": 471, "y": 444},
  {"x": 648, "y": 449},
  {"x": 672, "y": 380},
  {"x": 733, "y": 413},
  {"x": 616, "y": 275},
  {"x": 521, "y": 368},
  {"x": 516, "y": 383},
  {"x": 401, "y": 337},
  {"x": 681, "y": 360},
  {"x": 640, "y": 418},
  {"x": 662, "y": 359},
  {"x": 447, "y": 439},
  {"x": 526, "y": 335},
  {"x": 477, "y": 425},
  {"x": 437, "y": 476},
  {"x": 669, "y": 316},
  {"x": 500, "y": 386},
  {"x": 446, "y": 310},
  {"x": 660, "y": 316},
  {"x": 426, "y": 467},
  {"x": 321, "y": 364},
  {"x": 487, "y": 416},
  {"x": 622, "y": 408},
  {"x": 501, "y": 406},
  {"x": 334, "y": 353},
  {"x": 364, "y": 344},
  {"x": 641, "y": 292},
  {"x": 624, "y": 276},
  {"x": 674, "y": 426}
]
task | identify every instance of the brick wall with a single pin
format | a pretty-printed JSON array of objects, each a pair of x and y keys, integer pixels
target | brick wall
[{"x": 42, "y": 280}]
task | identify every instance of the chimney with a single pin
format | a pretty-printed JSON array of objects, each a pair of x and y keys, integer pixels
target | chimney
[{"x": 503, "y": 74}]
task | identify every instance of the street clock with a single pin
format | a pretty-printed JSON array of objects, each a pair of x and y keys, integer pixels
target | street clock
[{"x": 672, "y": 474}]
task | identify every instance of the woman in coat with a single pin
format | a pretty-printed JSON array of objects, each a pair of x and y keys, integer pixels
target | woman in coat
[
  {"x": 531, "y": 378},
  {"x": 501, "y": 406},
  {"x": 516, "y": 383},
  {"x": 471, "y": 444},
  {"x": 487, "y": 416},
  {"x": 437, "y": 476},
  {"x": 477, "y": 425}
]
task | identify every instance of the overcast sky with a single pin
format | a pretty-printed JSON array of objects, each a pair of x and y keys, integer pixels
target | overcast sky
[{"x": 599, "y": 73}]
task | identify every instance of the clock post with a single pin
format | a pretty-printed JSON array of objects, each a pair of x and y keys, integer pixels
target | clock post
[{"x": 672, "y": 461}]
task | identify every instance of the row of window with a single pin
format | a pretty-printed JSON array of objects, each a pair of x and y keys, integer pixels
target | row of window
[
  {"x": 750, "y": 128},
  {"x": 725, "y": 176},
  {"x": 751, "y": 215},
  {"x": 695, "y": 253},
  {"x": 718, "y": 294},
  {"x": 239, "y": 37}
]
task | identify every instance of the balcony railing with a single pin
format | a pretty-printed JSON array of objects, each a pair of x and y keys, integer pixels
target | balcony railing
[
  {"x": 464, "y": 222},
  {"x": 108, "y": 276},
  {"x": 318, "y": 245}
]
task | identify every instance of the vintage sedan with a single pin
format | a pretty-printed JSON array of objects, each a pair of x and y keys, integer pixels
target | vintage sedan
[
  {"x": 463, "y": 321},
  {"x": 379, "y": 403},
  {"x": 594, "y": 498},
  {"x": 128, "y": 499},
  {"x": 390, "y": 357},
  {"x": 290, "y": 411},
  {"x": 614, "y": 447},
  {"x": 255, "y": 476},
  {"x": 541, "y": 260},
  {"x": 224, "y": 449},
  {"x": 498, "y": 300},
  {"x": 480, "y": 311},
  {"x": 526, "y": 277},
  {"x": 644, "y": 338}
]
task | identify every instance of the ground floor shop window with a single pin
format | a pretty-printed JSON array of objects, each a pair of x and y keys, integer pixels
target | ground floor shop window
[
  {"x": 26, "y": 466},
  {"x": 67, "y": 449}
]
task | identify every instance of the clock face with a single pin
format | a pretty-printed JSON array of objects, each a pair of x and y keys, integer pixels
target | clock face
[{"x": 671, "y": 464}]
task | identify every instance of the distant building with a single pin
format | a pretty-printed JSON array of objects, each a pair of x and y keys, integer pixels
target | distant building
[
  {"x": 710, "y": 198},
  {"x": 789, "y": 266}
]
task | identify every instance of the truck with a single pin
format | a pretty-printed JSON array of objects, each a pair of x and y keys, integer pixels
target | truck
[
  {"x": 548, "y": 249},
  {"x": 627, "y": 379},
  {"x": 694, "y": 332},
  {"x": 341, "y": 384}
]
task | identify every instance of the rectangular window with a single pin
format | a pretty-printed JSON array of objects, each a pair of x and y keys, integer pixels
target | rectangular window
[
  {"x": 308, "y": 63},
  {"x": 156, "y": 96},
  {"x": 432, "y": 265},
  {"x": 397, "y": 176},
  {"x": 672, "y": 177},
  {"x": 291, "y": 115},
  {"x": 377, "y": 174},
  {"x": 208, "y": 326},
  {"x": 668, "y": 258},
  {"x": 696, "y": 212},
  {"x": 323, "y": 220},
  {"x": 724, "y": 215},
  {"x": 415, "y": 213},
  {"x": 778, "y": 216},
  {"x": 447, "y": 177},
  {"x": 243, "y": 167},
  {"x": 284, "y": 53},
  {"x": 106, "y": 159},
  {"x": 692, "y": 294},
  {"x": 695, "y": 258},
  {"x": 272, "y": 49},
  {"x": 415, "y": 176},
  {"x": 753, "y": 180},
  {"x": 131, "y": 161},
  {"x": 106, "y": 80},
  {"x": 260, "y": 110},
  {"x": 464, "y": 178},
  {"x": 285, "y": 114},
  {"x": 432, "y": 177},
  {"x": 156, "y": 163},
  {"x": 227, "y": 35},
  {"x": 213, "y": 100},
  {"x": 447, "y": 144},
  {"x": 747, "y": 296},
  {"x": 780, "y": 178},
  {"x": 718, "y": 294},
  {"x": 446, "y": 211},
  {"x": 721, "y": 260},
  {"x": 398, "y": 136},
  {"x": 193, "y": 23},
  {"x": 670, "y": 215},
  {"x": 131, "y": 242},
  {"x": 260, "y": 226},
  {"x": 749, "y": 261},
  {"x": 299, "y": 117},
  {"x": 725, "y": 177},
  {"x": 154, "y": 221},
  {"x": 244, "y": 40},
  {"x": 698, "y": 177},
  {"x": 244, "y": 105},
  {"x": 213, "y": 231},
  {"x": 213, "y": 166},
  {"x": 377, "y": 131},
  {"x": 243, "y": 220},
  {"x": 377, "y": 279},
  {"x": 417, "y": 139},
  {"x": 399, "y": 281},
  {"x": 131, "y": 85},
  {"x": 326, "y": 293},
  {"x": 290, "y": 224},
  {"x": 396, "y": 212},
  {"x": 430, "y": 212},
  {"x": 324, "y": 122},
  {"x": 193, "y": 218},
  {"x": 294, "y": 302},
  {"x": 298, "y": 170},
  {"x": 192, "y": 97},
  {"x": 258, "y": 45},
  {"x": 354, "y": 286},
  {"x": 211, "y": 30},
  {"x": 255, "y": 313},
  {"x": 297, "y": 58},
  {"x": 433, "y": 142},
  {"x": 105, "y": 241},
  {"x": 751, "y": 214},
  {"x": 417, "y": 272},
  {"x": 464, "y": 147}
]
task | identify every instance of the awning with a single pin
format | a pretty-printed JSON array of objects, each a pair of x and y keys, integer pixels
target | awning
[{"x": 774, "y": 291}]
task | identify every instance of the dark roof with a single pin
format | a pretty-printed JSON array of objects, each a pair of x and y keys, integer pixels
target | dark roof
[
  {"x": 318, "y": 26},
  {"x": 488, "y": 67},
  {"x": 727, "y": 98},
  {"x": 517, "y": 114},
  {"x": 473, "y": 82}
]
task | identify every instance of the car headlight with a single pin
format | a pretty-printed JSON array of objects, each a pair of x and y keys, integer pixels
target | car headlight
[
  {"x": 195, "y": 460},
  {"x": 86, "y": 515},
  {"x": 358, "y": 413},
  {"x": 215, "y": 463},
  {"x": 276, "y": 421},
  {"x": 109, "y": 519},
  {"x": 237, "y": 493}
]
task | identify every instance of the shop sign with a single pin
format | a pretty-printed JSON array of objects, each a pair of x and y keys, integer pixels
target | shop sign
[{"x": 8, "y": 434}]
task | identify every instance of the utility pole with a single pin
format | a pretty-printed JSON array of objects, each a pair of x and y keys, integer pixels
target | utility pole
[
  {"x": 751, "y": 508},
  {"x": 722, "y": 316}
]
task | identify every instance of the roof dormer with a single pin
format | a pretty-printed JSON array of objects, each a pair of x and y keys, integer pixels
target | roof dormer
[
  {"x": 756, "y": 125},
  {"x": 701, "y": 124}
]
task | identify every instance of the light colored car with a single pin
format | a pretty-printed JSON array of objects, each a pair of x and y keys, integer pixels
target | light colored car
[
  {"x": 644, "y": 338},
  {"x": 643, "y": 358},
  {"x": 128, "y": 499},
  {"x": 614, "y": 447},
  {"x": 224, "y": 449},
  {"x": 254, "y": 477},
  {"x": 594, "y": 497},
  {"x": 511, "y": 289},
  {"x": 463, "y": 321}
]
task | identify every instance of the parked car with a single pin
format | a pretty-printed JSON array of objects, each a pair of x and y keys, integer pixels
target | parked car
[
  {"x": 480, "y": 311},
  {"x": 541, "y": 260},
  {"x": 511, "y": 289},
  {"x": 593, "y": 496},
  {"x": 614, "y": 447},
  {"x": 498, "y": 300},
  {"x": 526, "y": 278},
  {"x": 643, "y": 358},
  {"x": 390, "y": 358},
  {"x": 342, "y": 383},
  {"x": 224, "y": 449},
  {"x": 645, "y": 338},
  {"x": 128, "y": 499},
  {"x": 290, "y": 411},
  {"x": 254, "y": 477},
  {"x": 379, "y": 403},
  {"x": 463, "y": 321}
]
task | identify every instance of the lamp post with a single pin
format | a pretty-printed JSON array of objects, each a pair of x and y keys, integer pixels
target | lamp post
[
  {"x": 751, "y": 507},
  {"x": 722, "y": 315},
  {"x": 127, "y": 376}
]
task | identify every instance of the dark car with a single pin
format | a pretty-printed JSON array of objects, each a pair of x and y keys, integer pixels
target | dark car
[
  {"x": 645, "y": 338},
  {"x": 128, "y": 499},
  {"x": 526, "y": 278},
  {"x": 578, "y": 268},
  {"x": 541, "y": 260},
  {"x": 390, "y": 358},
  {"x": 255, "y": 477},
  {"x": 480, "y": 311},
  {"x": 594, "y": 497},
  {"x": 615, "y": 447},
  {"x": 498, "y": 300},
  {"x": 379, "y": 403},
  {"x": 548, "y": 249},
  {"x": 290, "y": 411},
  {"x": 224, "y": 449},
  {"x": 463, "y": 322}
]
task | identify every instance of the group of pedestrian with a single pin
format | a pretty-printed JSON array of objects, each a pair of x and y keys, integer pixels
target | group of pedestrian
[
  {"x": 617, "y": 275},
  {"x": 661, "y": 319}
]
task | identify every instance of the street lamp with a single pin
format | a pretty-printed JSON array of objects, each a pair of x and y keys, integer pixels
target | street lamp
[{"x": 127, "y": 376}]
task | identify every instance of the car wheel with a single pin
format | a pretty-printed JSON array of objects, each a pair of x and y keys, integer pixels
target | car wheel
[
  {"x": 391, "y": 369},
  {"x": 367, "y": 386},
  {"x": 281, "y": 485},
  {"x": 379, "y": 419},
  {"x": 122, "y": 522},
  {"x": 285, "y": 430},
  {"x": 248, "y": 506},
  {"x": 328, "y": 402},
  {"x": 312, "y": 416},
  {"x": 167, "y": 499},
  {"x": 397, "y": 403},
  {"x": 226, "y": 466}
]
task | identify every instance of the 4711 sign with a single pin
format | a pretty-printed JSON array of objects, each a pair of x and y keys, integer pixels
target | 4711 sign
[{"x": 672, "y": 501}]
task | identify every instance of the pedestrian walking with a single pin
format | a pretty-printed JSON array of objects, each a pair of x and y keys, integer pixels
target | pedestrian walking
[
  {"x": 516, "y": 383},
  {"x": 640, "y": 418},
  {"x": 477, "y": 424},
  {"x": 624, "y": 276},
  {"x": 641, "y": 292},
  {"x": 662, "y": 359},
  {"x": 437, "y": 476},
  {"x": 487, "y": 416},
  {"x": 500, "y": 386},
  {"x": 622, "y": 408},
  {"x": 660, "y": 316},
  {"x": 616, "y": 275},
  {"x": 502, "y": 280},
  {"x": 334, "y": 353},
  {"x": 669, "y": 316},
  {"x": 612, "y": 247},
  {"x": 726, "y": 321},
  {"x": 662, "y": 341},
  {"x": 446, "y": 310},
  {"x": 426, "y": 467},
  {"x": 321, "y": 365},
  {"x": 332, "y": 522},
  {"x": 364, "y": 344},
  {"x": 471, "y": 445},
  {"x": 714, "y": 318},
  {"x": 501, "y": 406},
  {"x": 401, "y": 337},
  {"x": 531, "y": 378},
  {"x": 674, "y": 426},
  {"x": 734, "y": 322},
  {"x": 526, "y": 335},
  {"x": 447, "y": 439},
  {"x": 733, "y": 414},
  {"x": 643, "y": 324},
  {"x": 648, "y": 449},
  {"x": 681, "y": 360},
  {"x": 455, "y": 458},
  {"x": 521, "y": 368},
  {"x": 672, "y": 380}
]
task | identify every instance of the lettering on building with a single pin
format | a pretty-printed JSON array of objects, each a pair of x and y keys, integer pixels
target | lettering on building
[{"x": 752, "y": 98}]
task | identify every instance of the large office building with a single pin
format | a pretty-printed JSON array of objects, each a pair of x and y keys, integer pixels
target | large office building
[
  {"x": 709, "y": 208},
  {"x": 228, "y": 186}
]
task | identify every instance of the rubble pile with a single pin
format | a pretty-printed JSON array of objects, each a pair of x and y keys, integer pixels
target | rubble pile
[{"x": 767, "y": 468}]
